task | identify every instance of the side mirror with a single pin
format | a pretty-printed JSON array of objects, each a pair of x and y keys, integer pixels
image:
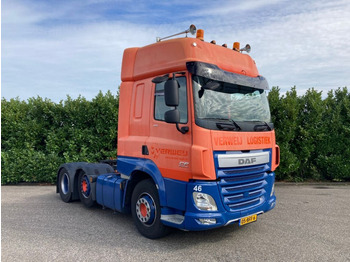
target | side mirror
[
  {"x": 172, "y": 116},
  {"x": 171, "y": 92}
]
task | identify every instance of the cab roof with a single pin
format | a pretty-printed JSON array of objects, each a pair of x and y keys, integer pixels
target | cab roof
[{"x": 171, "y": 56}]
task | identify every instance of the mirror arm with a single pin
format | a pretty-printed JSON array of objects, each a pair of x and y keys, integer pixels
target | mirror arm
[{"x": 182, "y": 130}]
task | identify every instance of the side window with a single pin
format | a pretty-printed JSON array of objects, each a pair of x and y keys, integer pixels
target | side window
[{"x": 159, "y": 104}]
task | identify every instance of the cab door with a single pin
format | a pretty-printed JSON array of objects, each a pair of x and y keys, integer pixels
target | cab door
[{"x": 168, "y": 148}]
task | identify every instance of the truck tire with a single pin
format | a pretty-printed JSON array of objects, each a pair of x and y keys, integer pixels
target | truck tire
[
  {"x": 145, "y": 210},
  {"x": 85, "y": 190},
  {"x": 64, "y": 185}
]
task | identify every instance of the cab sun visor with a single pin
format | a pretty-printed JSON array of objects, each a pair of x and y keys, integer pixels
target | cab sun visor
[{"x": 215, "y": 73}]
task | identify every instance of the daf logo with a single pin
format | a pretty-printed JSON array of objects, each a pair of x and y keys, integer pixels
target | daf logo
[{"x": 245, "y": 161}]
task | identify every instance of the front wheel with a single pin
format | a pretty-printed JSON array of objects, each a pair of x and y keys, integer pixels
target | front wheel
[{"x": 145, "y": 209}]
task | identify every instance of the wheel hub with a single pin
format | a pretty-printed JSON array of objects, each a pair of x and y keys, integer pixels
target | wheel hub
[
  {"x": 145, "y": 209},
  {"x": 85, "y": 187}
]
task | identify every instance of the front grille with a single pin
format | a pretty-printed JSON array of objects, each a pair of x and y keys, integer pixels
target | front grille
[{"x": 243, "y": 188}]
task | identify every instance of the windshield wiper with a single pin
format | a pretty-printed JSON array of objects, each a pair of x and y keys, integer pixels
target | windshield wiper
[
  {"x": 228, "y": 125},
  {"x": 262, "y": 127}
]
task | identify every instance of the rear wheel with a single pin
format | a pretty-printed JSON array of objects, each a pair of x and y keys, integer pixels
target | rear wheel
[
  {"x": 64, "y": 185},
  {"x": 85, "y": 190},
  {"x": 145, "y": 209}
]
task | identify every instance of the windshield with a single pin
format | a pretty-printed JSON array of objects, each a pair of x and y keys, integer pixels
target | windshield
[{"x": 224, "y": 101}]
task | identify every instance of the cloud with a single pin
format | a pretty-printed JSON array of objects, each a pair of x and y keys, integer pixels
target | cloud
[
  {"x": 307, "y": 48},
  {"x": 54, "y": 48},
  {"x": 53, "y": 61},
  {"x": 302, "y": 44},
  {"x": 228, "y": 7}
]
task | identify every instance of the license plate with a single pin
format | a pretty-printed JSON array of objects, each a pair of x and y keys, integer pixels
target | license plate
[{"x": 248, "y": 219}]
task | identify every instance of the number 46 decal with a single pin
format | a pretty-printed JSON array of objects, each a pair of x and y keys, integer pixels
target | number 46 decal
[{"x": 197, "y": 188}]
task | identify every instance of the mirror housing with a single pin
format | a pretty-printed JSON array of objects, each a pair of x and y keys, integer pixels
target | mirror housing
[
  {"x": 172, "y": 116},
  {"x": 171, "y": 92}
]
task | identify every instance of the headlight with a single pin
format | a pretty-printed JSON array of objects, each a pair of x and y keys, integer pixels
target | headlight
[
  {"x": 204, "y": 202},
  {"x": 272, "y": 190}
]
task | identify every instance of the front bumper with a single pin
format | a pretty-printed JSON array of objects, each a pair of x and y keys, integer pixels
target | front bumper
[{"x": 192, "y": 218}]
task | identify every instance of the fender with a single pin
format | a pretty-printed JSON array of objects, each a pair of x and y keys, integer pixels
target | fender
[
  {"x": 127, "y": 165},
  {"x": 88, "y": 168},
  {"x": 151, "y": 168}
]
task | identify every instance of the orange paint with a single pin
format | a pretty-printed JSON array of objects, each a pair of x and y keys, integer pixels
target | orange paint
[
  {"x": 171, "y": 56},
  {"x": 227, "y": 141},
  {"x": 179, "y": 156}
]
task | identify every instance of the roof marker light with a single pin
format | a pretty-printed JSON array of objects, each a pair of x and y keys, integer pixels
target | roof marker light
[
  {"x": 200, "y": 34},
  {"x": 236, "y": 46}
]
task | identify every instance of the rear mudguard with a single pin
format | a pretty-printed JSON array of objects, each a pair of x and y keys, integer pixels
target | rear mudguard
[{"x": 90, "y": 169}]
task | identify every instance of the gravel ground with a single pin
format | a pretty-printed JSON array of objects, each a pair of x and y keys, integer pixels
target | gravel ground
[{"x": 309, "y": 223}]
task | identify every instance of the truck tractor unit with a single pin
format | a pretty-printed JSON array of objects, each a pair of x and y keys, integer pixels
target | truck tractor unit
[{"x": 196, "y": 146}]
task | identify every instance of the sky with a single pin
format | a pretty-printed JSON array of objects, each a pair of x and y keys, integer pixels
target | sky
[{"x": 53, "y": 48}]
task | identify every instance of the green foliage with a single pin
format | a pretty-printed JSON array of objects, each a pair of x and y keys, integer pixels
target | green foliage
[
  {"x": 313, "y": 134},
  {"x": 39, "y": 135}
]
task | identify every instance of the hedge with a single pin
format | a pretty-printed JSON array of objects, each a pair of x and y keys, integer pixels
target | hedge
[
  {"x": 313, "y": 134},
  {"x": 38, "y": 135}
]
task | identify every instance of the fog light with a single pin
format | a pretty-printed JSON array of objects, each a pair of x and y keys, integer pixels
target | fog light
[
  {"x": 207, "y": 221},
  {"x": 204, "y": 202}
]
